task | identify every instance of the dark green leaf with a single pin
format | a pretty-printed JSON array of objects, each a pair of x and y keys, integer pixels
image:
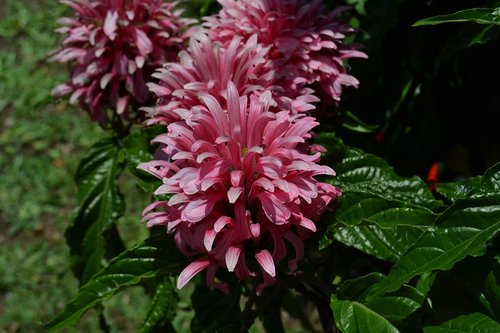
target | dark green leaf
[
  {"x": 464, "y": 230},
  {"x": 357, "y": 289},
  {"x": 395, "y": 307},
  {"x": 470, "y": 323},
  {"x": 459, "y": 190},
  {"x": 492, "y": 293},
  {"x": 469, "y": 35},
  {"x": 163, "y": 307},
  {"x": 215, "y": 311},
  {"x": 137, "y": 149},
  {"x": 157, "y": 256},
  {"x": 354, "y": 317},
  {"x": 348, "y": 120},
  {"x": 491, "y": 179},
  {"x": 358, "y": 171},
  {"x": 384, "y": 243},
  {"x": 100, "y": 205},
  {"x": 424, "y": 284},
  {"x": 379, "y": 212},
  {"x": 477, "y": 15}
]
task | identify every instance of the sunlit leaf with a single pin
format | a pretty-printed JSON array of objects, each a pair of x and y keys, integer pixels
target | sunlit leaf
[
  {"x": 464, "y": 230},
  {"x": 470, "y": 323},
  {"x": 157, "y": 256},
  {"x": 100, "y": 205},
  {"x": 477, "y": 15},
  {"x": 354, "y": 317}
]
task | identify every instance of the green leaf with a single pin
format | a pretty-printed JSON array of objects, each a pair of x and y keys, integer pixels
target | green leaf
[
  {"x": 477, "y": 15},
  {"x": 470, "y": 323},
  {"x": 395, "y": 307},
  {"x": 492, "y": 293},
  {"x": 384, "y": 243},
  {"x": 157, "y": 256},
  {"x": 491, "y": 179},
  {"x": 100, "y": 205},
  {"x": 379, "y": 212},
  {"x": 488, "y": 183},
  {"x": 458, "y": 190},
  {"x": 469, "y": 35},
  {"x": 163, "y": 307},
  {"x": 354, "y": 317},
  {"x": 348, "y": 120},
  {"x": 357, "y": 289},
  {"x": 425, "y": 282},
  {"x": 358, "y": 171},
  {"x": 463, "y": 230},
  {"x": 137, "y": 149},
  {"x": 215, "y": 311}
]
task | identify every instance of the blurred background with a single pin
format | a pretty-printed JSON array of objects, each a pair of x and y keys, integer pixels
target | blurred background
[{"x": 429, "y": 99}]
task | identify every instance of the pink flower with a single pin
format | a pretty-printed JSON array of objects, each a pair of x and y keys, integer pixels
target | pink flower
[
  {"x": 239, "y": 189},
  {"x": 113, "y": 46},
  {"x": 306, "y": 42},
  {"x": 207, "y": 67}
]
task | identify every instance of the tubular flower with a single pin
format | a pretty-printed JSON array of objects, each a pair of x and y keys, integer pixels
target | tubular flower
[
  {"x": 206, "y": 67},
  {"x": 113, "y": 46},
  {"x": 239, "y": 189},
  {"x": 306, "y": 42}
]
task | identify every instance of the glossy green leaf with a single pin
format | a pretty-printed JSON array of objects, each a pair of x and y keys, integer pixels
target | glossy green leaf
[
  {"x": 458, "y": 190},
  {"x": 162, "y": 309},
  {"x": 470, "y": 323},
  {"x": 137, "y": 149},
  {"x": 100, "y": 205},
  {"x": 215, "y": 311},
  {"x": 492, "y": 293},
  {"x": 348, "y": 120},
  {"x": 463, "y": 230},
  {"x": 357, "y": 289},
  {"x": 384, "y": 243},
  {"x": 395, "y": 307},
  {"x": 155, "y": 257},
  {"x": 379, "y": 212},
  {"x": 477, "y": 15},
  {"x": 354, "y": 317},
  {"x": 425, "y": 282},
  {"x": 358, "y": 171}
]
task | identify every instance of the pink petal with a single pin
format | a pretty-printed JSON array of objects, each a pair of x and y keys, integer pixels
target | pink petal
[
  {"x": 196, "y": 210},
  {"x": 122, "y": 104},
  {"x": 143, "y": 42},
  {"x": 110, "y": 24},
  {"x": 276, "y": 211},
  {"x": 61, "y": 90},
  {"x": 105, "y": 80},
  {"x": 266, "y": 261},
  {"x": 221, "y": 223},
  {"x": 233, "y": 194},
  {"x": 190, "y": 271},
  {"x": 209, "y": 239},
  {"x": 232, "y": 256}
]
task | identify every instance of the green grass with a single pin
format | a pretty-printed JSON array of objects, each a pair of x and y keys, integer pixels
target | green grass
[{"x": 41, "y": 142}]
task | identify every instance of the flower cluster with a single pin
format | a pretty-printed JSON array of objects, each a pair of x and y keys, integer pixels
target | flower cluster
[
  {"x": 207, "y": 67},
  {"x": 305, "y": 40},
  {"x": 239, "y": 187},
  {"x": 113, "y": 46},
  {"x": 238, "y": 169}
]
